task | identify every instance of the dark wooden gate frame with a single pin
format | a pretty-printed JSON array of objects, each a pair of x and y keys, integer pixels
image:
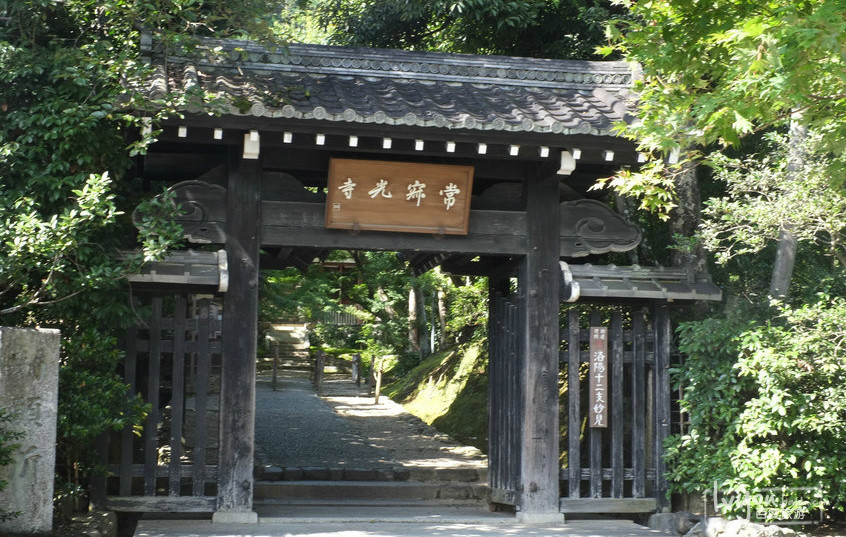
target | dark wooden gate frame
[
  {"x": 524, "y": 454},
  {"x": 528, "y": 240}
]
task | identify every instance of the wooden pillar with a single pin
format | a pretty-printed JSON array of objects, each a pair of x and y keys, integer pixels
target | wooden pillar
[
  {"x": 663, "y": 340},
  {"x": 240, "y": 325},
  {"x": 539, "y": 282}
]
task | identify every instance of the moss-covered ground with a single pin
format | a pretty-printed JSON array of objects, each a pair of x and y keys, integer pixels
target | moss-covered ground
[{"x": 449, "y": 390}]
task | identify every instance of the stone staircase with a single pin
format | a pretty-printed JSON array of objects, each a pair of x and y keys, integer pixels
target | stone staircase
[{"x": 293, "y": 345}]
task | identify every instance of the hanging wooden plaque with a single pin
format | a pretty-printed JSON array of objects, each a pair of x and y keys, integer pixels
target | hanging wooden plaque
[
  {"x": 398, "y": 196},
  {"x": 598, "y": 376}
]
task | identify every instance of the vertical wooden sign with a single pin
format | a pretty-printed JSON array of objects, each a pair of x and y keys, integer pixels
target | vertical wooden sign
[{"x": 598, "y": 376}]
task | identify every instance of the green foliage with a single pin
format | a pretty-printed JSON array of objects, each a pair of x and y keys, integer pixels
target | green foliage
[
  {"x": 537, "y": 28},
  {"x": 715, "y": 73},
  {"x": 69, "y": 127},
  {"x": 8, "y": 446},
  {"x": 468, "y": 310},
  {"x": 375, "y": 290},
  {"x": 765, "y": 194},
  {"x": 766, "y": 401},
  {"x": 94, "y": 397}
]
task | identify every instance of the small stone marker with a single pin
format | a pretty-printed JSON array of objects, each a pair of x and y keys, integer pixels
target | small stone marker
[{"x": 29, "y": 386}]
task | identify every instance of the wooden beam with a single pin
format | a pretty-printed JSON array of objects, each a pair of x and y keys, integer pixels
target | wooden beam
[
  {"x": 298, "y": 224},
  {"x": 607, "y": 505},
  {"x": 160, "y": 504},
  {"x": 240, "y": 326},
  {"x": 538, "y": 288},
  {"x": 202, "y": 127}
]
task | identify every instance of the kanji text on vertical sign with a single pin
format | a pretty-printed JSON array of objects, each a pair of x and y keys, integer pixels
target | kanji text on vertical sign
[
  {"x": 398, "y": 196},
  {"x": 598, "y": 376}
]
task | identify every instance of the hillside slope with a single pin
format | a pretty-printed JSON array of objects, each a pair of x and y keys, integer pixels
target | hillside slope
[{"x": 449, "y": 390}]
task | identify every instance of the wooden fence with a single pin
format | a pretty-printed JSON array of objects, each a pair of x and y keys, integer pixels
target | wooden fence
[
  {"x": 618, "y": 468},
  {"x": 172, "y": 360}
]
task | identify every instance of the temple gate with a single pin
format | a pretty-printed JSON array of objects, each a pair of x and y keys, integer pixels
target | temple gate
[{"x": 259, "y": 181}]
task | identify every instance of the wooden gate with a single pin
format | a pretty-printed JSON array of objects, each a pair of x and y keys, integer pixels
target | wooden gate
[
  {"x": 173, "y": 361},
  {"x": 505, "y": 401},
  {"x": 618, "y": 468}
]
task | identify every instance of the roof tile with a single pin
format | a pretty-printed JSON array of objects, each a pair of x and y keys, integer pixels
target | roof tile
[{"x": 360, "y": 85}]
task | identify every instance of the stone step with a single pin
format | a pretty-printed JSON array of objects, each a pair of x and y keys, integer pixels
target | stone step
[
  {"x": 288, "y": 346},
  {"x": 272, "y": 473},
  {"x": 367, "y": 490},
  {"x": 288, "y": 362},
  {"x": 355, "y": 510}
]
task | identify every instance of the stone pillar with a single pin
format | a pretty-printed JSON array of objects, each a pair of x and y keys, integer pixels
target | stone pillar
[{"x": 29, "y": 388}]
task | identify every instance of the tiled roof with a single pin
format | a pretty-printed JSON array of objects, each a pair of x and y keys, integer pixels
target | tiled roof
[{"x": 391, "y": 87}]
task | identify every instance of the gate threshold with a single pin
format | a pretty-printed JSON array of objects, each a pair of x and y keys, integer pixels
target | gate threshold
[{"x": 375, "y": 521}]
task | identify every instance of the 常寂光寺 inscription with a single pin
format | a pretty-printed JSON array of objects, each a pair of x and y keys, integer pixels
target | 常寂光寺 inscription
[{"x": 398, "y": 196}]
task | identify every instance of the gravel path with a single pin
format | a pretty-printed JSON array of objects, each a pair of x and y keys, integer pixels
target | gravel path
[{"x": 344, "y": 428}]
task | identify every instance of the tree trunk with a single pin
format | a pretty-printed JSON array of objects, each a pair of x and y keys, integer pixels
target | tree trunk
[
  {"x": 786, "y": 252},
  {"x": 685, "y": 220},
  {"x": 413, "y": 327},
  {"x": 422, "y": 323},
  {"x": 442, "y": 317}
]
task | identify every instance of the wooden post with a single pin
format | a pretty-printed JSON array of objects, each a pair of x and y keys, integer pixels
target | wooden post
[
  {"x": 378, "y": 385},
  {"x": 663, "y": 334},
  {"x": 275, "y": 365},
  {"x": 539, "y": 283},
  {"x": 178, "y": 397},
  {"x": 371, "y": 376},
  {"x": 617, "y": 433},
  {"x": 356, "y": 369},
  {"x": 574, "y": 416},
  {"x": 595, "y": 435},
  {"x": 320, "y": 363},
  {"x": 240, "y": 332}
]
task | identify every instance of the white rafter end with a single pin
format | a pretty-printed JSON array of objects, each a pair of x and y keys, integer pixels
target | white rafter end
[
  {"x": 218, "y": 134},
  {"x": 320, "y": 139},
  {"x": 182, "y": 132},
  {"x": 251, "y": 145},
  {"x": 387, "y": 143},
  {"x": 576, "y": 152},
  {"x": 514, "y": 150},
  {"x": 482, "y": 148},
  {"x": 673, "y": 158},
  {"x": 450, "y": 147},
  {"x": 543, "y": 151},
  {"x": 418, "y": 145},
  {"x": 353, "y": 140},
  {"x": 608, "y": 155},
  {"x": 287, "y": 137},
  {"x": 568, "y": 164}
]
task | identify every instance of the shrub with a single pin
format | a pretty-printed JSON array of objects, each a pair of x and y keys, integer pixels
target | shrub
[{"x": 767, "y": 406}]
